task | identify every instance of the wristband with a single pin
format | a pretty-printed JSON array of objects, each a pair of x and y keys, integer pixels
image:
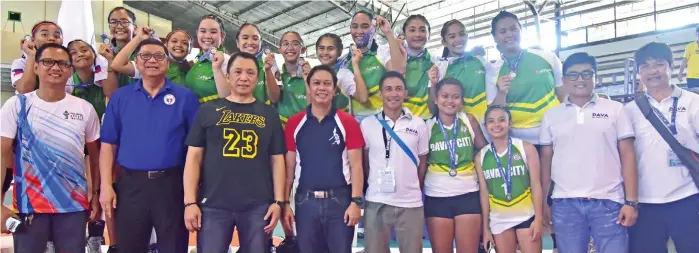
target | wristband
[{"x": 189, "y": 204}]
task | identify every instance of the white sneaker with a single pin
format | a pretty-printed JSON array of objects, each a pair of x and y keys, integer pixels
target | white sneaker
[
  {"x": 94, "y": 244},
  {"x": 50, "y": 248}
]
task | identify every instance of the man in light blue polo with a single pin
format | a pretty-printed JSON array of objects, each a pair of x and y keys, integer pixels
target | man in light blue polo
[
  {"x": 144, "y": 128},
  {"x": 587, "y": 151}
]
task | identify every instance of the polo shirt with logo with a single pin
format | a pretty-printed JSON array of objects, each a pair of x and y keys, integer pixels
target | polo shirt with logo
[
  {"x": 321, "y": 147},
  {"x": 413, "y": 131},
  {"x": 586, "y": 161},
  {"x": 659, "y": 182},
  {"x": 150, "y": 131}
]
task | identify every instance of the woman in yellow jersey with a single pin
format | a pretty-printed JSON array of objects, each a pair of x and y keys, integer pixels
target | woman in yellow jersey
[
  {"x": 329, "y": 48},
  {"x": 452, "y": 206},
  {"x": 374, "y": 62},
  {"x": 416, "y": 65},
  {"x": 470, "y": 70},
  {"x": 178, "y": 43},
  {"x": 529, "y": 80},
  {"x": 249, "y": 40},
  {"x": 511, "y": 196}
]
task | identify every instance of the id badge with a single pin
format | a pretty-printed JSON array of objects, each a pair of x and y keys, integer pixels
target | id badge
[
  {"x": 387, "y": 180},
  {"x": 673, "y": 160}
]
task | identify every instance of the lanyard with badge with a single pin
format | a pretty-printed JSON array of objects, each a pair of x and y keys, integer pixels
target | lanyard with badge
[
  {"x": 387, "y": 176},
  {"x": 514, "y": 65},
  {"x": 672, "y": 158},
  {"x": 451, "y": 144},
  {"x": 505, "y": 172}
]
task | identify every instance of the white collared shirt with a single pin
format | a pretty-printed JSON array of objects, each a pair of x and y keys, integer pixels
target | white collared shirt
[
  {"x": 586, "y": 161},
  {"x": 413, "y": 132},
  {"x": 658, "y": 181}
]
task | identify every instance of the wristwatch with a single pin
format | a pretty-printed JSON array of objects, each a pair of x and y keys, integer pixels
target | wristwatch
[
  {"x": 358, "y": 200},
  {"x": 633, "y": 204},
  {"x": 281, "y": 203}
]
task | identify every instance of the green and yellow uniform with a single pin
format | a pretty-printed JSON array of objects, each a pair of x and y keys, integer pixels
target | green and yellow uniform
[
  {"x": 122, "y": 79},
  {"x": 176, "y": 74},
  {"x": 200, "y": 79},
  {"x": 532, "y": 92},
  {"x": 438, "y": 182},
  {"x": 505, "y": 214},
  {"x": 372, "y": 67},
  {"x": 418, "y": 85},
  {"x": 293, "y": 96},
  {"x": 260, "y": 91},
  {"x": 471, "y": 72},
  {"x": 90, "y": 92}
]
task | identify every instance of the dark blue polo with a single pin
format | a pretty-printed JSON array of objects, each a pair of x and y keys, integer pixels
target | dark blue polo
[
  {"x": 322, "y": 148},
  {"x": 150, "y": 131}
]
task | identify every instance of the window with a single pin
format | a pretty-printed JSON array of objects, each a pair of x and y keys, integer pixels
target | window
[
  {"x": 633, "y": 9},
  {"x": 574, "y": 38},
  {"x": 669, "y": 4},
  {"x": 635, "y": 26},
  {"x": 602, "y": 32},
  {"x": 670, "y": 20}
]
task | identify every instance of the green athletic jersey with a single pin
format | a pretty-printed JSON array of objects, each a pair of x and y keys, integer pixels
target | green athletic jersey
[
  {"x": 470, "y": 71},
  {"x": 200, "y": 79},
  {"x": 372, "y": 69},
  {"x": 532, "y": 92},
  {"x": 293, "y": 96},
  {"x": 438, "y": 183},
  {"x": 122, "y": 79},
  {"x": 260, "y": 91},
  {"x": 503, "y": 213},
  {"x": 417, "y": 84},
  {"x": 175, "y": 74},
  {"x": 341, "y": 101},
  {"x": 93, "y": 94}
]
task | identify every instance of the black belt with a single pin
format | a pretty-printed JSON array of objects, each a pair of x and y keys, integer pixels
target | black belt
[
  {"x": 152, "y": 174},
  {"x": 344, "y": 191}
]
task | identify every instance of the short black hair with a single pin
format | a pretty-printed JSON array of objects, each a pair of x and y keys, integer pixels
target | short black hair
[
  {"x": 580, "y": 58},
  {"x": 337, "y": 41},
  {"x": 503, "y": 15},
  {"x": 653, "y": 50},
  {"x": 128, "y": 12},
  {"x": 150, "y": 41},
  {"x": 45, "y": 46},
  {"x": 243, "y": 55},
  {"x": 94, "y": 54},
  {"x": 391, "y": 74},
  {"x": 322, "y": 68}
]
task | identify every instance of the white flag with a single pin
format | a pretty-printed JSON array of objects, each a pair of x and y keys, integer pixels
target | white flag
[{"x": 75, "y": 18}]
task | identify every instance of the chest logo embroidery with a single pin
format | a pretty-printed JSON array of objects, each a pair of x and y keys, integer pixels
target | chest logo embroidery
[
  {"x": 596, "y": 115},
  {"x": 335, "y": 139},
  {"x": 169, "y": 99}
]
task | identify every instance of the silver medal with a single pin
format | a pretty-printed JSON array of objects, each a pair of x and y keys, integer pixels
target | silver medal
[
  {"x": 452, "y": 173},
  {"x": 513, "y": 74},
  {"x": 267, "y": 51}
]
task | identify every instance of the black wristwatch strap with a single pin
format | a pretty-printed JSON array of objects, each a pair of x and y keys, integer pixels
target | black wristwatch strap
[
  {"x": 189, "y": 204},
  {"x": 281, "y": 203}
]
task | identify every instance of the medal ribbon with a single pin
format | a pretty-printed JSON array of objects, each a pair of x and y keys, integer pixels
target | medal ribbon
[
  {"x": 451, "y": 143},
  {"x": 506, "y": 173}
]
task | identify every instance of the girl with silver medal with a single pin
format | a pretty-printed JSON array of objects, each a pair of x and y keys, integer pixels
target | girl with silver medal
[
  {"x": 510, "y": 190},
  {"x": 452, "y": 206}
]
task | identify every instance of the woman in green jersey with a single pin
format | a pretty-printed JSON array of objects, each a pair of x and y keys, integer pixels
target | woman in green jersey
[
  {"x": 415, "y": 31},
  {"x": 292, "y": 93},
  {"x": 452, "y": 205},
  {"x": 528, "y": 80},
  {"x": 203, "y": 78},
  {"x": 511, "y": 197},
  {"x": 123, "y": 28},
  {"x": 249, "y": 40},
  {"x": 329, "y": 48},
  {"x": 178, "y": 46},
  {"x": 468, "y": 69},
  {"x": 86, "y": 84}
]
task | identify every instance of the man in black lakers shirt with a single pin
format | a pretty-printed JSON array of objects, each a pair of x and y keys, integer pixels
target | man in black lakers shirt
[{"x": 241, "y": 182}]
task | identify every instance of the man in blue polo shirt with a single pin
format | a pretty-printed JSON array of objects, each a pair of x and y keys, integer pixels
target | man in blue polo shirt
[
  {"x": 144, "y": 128},
  {"x": 327, "y": 143}
]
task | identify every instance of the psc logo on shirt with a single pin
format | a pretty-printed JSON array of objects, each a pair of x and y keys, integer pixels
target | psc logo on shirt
[
  {"x": 596, "y": 115},
  {"x": 73, "y": 115}
]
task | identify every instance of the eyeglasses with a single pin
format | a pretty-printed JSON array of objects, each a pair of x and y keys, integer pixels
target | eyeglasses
[
  {"x": 147, "y": 56},
  {"x": 574, "y": 76},
  {"x": 294, "y": 44},
  {"x": 115, "y": 23},
  {"x": 51, "y": 62}
]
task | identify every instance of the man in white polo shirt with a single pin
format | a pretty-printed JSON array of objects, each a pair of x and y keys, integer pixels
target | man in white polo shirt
[
  {"x": 396, "y": 149},
  {"x": 669, "y": 198},
  {"x": 587, "y": 150}
]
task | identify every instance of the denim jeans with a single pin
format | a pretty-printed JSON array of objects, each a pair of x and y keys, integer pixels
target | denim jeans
[
  {"x": 217, "y": 230},
  {"x": 576, "y": 219},
  {"x": 320, "y": 224}
]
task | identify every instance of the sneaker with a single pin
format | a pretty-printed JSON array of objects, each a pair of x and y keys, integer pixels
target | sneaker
[
  {"x": 94, "y": 244},
  {"x": 152, "y": 249},
  {"x": 50, "y": 248},
  {"x": 112, "y": 249}
]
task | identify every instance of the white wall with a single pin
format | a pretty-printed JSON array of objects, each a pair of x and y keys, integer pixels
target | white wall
[{"x": 669, "y": 37}]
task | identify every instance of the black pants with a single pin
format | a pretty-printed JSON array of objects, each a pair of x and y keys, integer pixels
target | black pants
[{"x": 144, "y": 203}]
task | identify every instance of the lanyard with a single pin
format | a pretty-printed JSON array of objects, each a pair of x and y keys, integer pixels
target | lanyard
[
  {"x": 418, "y": 56},
  {"x": 672, "y": 124},
  {"x": 506, "y": 173},
  {"x": 387, "y": 140},
  {"x": 514, "y": 65},
  {"x": 368, "y": 38},
  {"x": 205, "y": 56},
  {"x": 451, "y": 143}
]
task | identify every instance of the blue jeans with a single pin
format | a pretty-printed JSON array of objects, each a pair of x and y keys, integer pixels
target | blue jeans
[
  {"x": 576, "y": 219},
  {"x": 320, "y": 224},
  {"x": 678, "y": 220},
  {"x": 217, "y": 230}
]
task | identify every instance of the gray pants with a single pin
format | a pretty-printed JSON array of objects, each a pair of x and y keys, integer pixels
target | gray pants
[{"x": 382, "y": 219}]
